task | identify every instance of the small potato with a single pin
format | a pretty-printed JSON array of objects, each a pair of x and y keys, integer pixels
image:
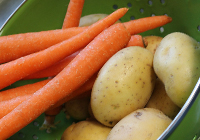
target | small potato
[
  {"x": 124, "y": 84},
  {"x": 160, "y": 100},
  {"x": 92, "y": 18},
  {"x": 142, "y": 124},
  {"x": 90, "y": 112},
  {"x": 152, "y": 42},
  {"x": 176, "y": 63},
  {"x": 86, "y": 130},
  {"x": 78, "y": 108}
]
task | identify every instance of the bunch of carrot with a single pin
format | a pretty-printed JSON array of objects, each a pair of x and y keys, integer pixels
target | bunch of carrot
[{"x": 73, "y": 62}]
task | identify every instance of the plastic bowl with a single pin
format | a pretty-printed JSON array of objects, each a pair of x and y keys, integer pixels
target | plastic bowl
[{"x": 37, "y": 15}]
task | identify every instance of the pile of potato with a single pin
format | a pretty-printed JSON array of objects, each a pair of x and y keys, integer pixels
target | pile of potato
[{"x": 139, "y": 91}]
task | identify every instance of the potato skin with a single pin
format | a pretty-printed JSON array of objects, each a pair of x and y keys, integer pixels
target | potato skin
[
  {"x": 86, "y": 130},
  {"x": 160, "y": 100},
  {"x": 176, "y": 63},
  {"x": 152, "y": 42},
  {"x": 124, "y": 84},
  {"x": 78, "y": 108},
  {"x": 142, "y": 124},
  {"x": 92, "y": 18}
]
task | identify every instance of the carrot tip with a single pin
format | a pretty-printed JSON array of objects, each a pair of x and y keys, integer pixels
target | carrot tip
[{"x": 170, "y": 19}]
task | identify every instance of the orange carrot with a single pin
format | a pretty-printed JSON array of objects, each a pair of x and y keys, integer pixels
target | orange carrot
[
  {"x": 147, "y": 23},
  {"x": 49, "y": 118},
  {"x": 21, "y": 90},
  {"x": 7, "y": 106},
  {"x": 18, "y": 69},
  {"x": 11, "y": 98},
  {"x": 79, "y": 93},
  {"x": 53, "y": 111},
  {"x": 54, "y": 69},
  {"x": 136, "y": 40},
  {"x": 18, "y": 45},
  {"x": 73, "y": 14},
  {"x": 86, "y": 94},
  {"x": 82, "y": 67}
]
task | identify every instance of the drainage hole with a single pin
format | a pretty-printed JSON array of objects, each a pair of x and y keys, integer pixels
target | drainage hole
[
  {"x": 150, "y": 2},
  {"x": 198, "y": 27},
  {"x": 162, "y": 1},
  {"x": 35, "y": 137},
  {"x": 141, "y": 10},
  {"x": 132, "y": 17},
  {"x": 129, "y": 4},
  {"x": 21, "y": 135},
  {"x": 162, "y": 29},
  {"x": 35, "y": 123},
  {"x": 115, "y": 6}
]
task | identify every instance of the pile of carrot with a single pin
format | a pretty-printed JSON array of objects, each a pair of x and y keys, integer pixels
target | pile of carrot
[{"x": 72, "y": 56}]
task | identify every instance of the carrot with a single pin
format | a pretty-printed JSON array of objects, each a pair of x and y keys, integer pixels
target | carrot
[
  {"x": 54, "y": 69},
  {"x": 7, "y": 106},
  {"x": 73, "y": 14},
  {"x": 81, "y": 92},
  {"x": 11, "y": 98},
  {"x": 81, "y": 68},
  {"x": 53, "y": 111},
  {"x": 136, "y": 40},
  {"x": 49, "y": 118},
  {"x": 146, "y": 23},
  {"x": 72, "y": 18},
  {"x": 18, "y": 69},
  {"x": 21, "y": 90},
  {"x": 86, "y": 94},
  {"x": 18, "y": 45}
]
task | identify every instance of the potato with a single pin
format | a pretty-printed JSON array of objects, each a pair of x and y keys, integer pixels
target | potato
[
  {"x": 78, "y": 108},
  {"x": 86, "y": 130},
  {"x": 91, "y": 113},
  {"x": 142, "y": 124},
  {"x": 92, "y": 18},
  {"x": 177, "y": 63},
  {"x": 124, "y": 84},
  {"x": 152, "y": 42},
  {"x": 160, "y": 100}
]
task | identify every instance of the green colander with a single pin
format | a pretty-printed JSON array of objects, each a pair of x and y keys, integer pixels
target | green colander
[{"x": 38, "y": 15}]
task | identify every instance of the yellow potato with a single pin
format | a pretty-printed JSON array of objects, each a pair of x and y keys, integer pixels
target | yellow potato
[
  {"x": 90, "y": 112},
  {"x": 176, "y": 63},
  {"x": 86, "y": 130},
  {"x": 152, "y": 42},
  {"x": 160, "y": 100},
  {"x": 92, "y": 18},
  {"x": 78, "y": 108},
  {"x": 142, "y": 124},
  {"x": 124, "y": 84}
]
